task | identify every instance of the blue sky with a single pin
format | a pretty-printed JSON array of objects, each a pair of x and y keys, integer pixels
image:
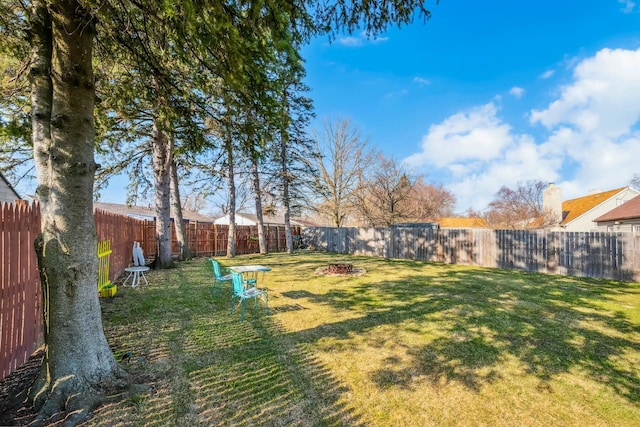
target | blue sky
[{"x": 487, "y": 94}]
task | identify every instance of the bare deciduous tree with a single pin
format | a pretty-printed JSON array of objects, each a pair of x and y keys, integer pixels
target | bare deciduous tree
[
  {"x": 517, "y": 208},
  {"x": 429, "y": 201},
  {"x": 344, "y": 159},
  {"x": 381, "y": 199}
]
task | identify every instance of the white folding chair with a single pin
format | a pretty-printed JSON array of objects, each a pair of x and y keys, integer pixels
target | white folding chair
[{"x": 139, "y": 267}]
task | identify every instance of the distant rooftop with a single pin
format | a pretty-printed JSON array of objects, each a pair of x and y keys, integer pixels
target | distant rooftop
[
  {"x": 627, "y": 210},
  {"x": 145, "y": 212},
  {"x": 462, "y": 222},
  {"x": 572, "y": 209}
]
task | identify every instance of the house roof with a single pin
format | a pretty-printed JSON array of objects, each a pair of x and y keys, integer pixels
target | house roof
[
  {"x": 627, "y": 210},
  {"x": 143, "y": 212},
  {"x": 461, "y": 222},
  {"x": 276, "y": 219},
  {"x": 9, "y": 186},
  {"x": 574, "y": 208},
  {"x": 303, "y": 222}
]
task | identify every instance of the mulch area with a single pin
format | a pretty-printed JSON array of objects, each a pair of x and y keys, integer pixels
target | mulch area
[{"x": 13, "y": 411}]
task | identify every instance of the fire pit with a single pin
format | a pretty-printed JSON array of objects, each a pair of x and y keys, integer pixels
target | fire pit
[{"x": 340, "y": 269}]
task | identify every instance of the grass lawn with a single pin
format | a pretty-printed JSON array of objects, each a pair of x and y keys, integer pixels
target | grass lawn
[{"x": 406, "y": 344}]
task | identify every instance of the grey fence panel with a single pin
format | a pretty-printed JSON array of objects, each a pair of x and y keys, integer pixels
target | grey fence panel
[{"x": 602, "y": 255}]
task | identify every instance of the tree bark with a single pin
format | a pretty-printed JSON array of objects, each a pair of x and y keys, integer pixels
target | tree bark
[
  {"x": 286, "y": 198},
  {"x": 162, "y": 160},
  {"x": 176, "y": 211},
  {"x": 77, "y": 355},
  {"x": 258, "y": 203},
  {"x": 231, "y": 238}
]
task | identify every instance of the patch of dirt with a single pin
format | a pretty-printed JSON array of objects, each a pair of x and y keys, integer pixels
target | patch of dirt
[
  {"x": 355, "y": 272},
  {"x": 13, "y": 392}
]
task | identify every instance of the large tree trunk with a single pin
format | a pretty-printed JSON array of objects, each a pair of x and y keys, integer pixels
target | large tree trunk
[
  {"x": 231, "y": 182},
  {"x": 258, "y": 202},
  {"x": 77, "y": 355},
  {"x": 284, "y": 171},
  {"x": 162, "y": 160},
  {"x": 176, "y": 211}
]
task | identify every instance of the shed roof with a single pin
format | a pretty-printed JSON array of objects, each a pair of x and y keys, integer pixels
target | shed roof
[{"x": 627, "y": 210}]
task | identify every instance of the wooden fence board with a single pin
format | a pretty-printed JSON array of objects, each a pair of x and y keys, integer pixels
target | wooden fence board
[
  {"x": 20, "y": 291},
  {"x": 20, "y": 301},
  {"x": 590, "y": 254}
]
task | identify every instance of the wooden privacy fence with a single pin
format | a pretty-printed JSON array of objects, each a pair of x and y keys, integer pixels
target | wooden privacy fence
[
  {"x": 207, "y": 239},
  {"x": 613, "y": 256},
  {"x": 20, "y": 294},
  {"x": 204, "y": 239},
  {"x": 21, "y": 330}
]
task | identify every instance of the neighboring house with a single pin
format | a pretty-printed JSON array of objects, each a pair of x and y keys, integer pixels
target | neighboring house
[
  {"x": 7, "y": 193},
  {"x": 143, "y": 213},
  {"x": 625, "y": 217},
  {"x": 579, "y": 214},
  {"x": 462, "y": 222},
  {"x": 241, "y": 219},
  {"x": 250, "y": 219}
]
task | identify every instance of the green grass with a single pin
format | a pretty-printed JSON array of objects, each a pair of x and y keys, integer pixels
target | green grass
[{"x": 406, "y": 344}]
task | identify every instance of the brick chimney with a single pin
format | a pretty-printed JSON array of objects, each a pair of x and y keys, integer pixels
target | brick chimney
[{"x": 552, "y": 205}]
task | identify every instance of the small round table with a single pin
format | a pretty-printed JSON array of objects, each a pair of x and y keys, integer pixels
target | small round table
[{"x": 136, "y": 272}]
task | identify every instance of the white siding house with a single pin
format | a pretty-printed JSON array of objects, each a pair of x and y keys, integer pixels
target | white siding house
[
  {"x": 580, "y": 214},
  {"x": 624, "y": 218},
  {"x": 241, "y": 219},
  {"x": 250, "y": 219}
]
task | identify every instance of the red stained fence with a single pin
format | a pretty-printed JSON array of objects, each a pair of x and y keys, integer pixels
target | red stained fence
[{"x": 20, "y": 294}]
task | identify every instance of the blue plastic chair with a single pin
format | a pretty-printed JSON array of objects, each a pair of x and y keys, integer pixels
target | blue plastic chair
[
  {"x": 242, "y": 294},
  {"x": 218, "y": 278}
]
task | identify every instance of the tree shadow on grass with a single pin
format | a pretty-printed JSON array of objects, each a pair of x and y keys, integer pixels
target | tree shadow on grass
[
  {"x": 208, "y": 368},
  {"x": 551, "y": 324}
]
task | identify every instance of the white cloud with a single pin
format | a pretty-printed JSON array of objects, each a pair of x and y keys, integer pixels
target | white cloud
[
  {"x": 421, "y": 81},
  {"x": 351, "y": 41},
  {"x": 594, "y": 123},
  {"x": 361, "y": 39},
  {"x": 396, "y": 94},
  {"x": 603, "y": 98},
  {"x": 379, "y": 39},
  {"x": 547, "y": 74},
  {"x": 478, "y": 153},
  {"x": 517, "y": 91},
  {"x": 628, "y": 6},
  {"x": 590, "y": 139},
  {"x": 474, "y": 135},
  {"x": 603, "y": 164}
]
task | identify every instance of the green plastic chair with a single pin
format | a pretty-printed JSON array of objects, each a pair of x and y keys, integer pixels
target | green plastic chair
[
  {"x": 241, "y": 293},
  {"x": 218, "y": 277}
]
